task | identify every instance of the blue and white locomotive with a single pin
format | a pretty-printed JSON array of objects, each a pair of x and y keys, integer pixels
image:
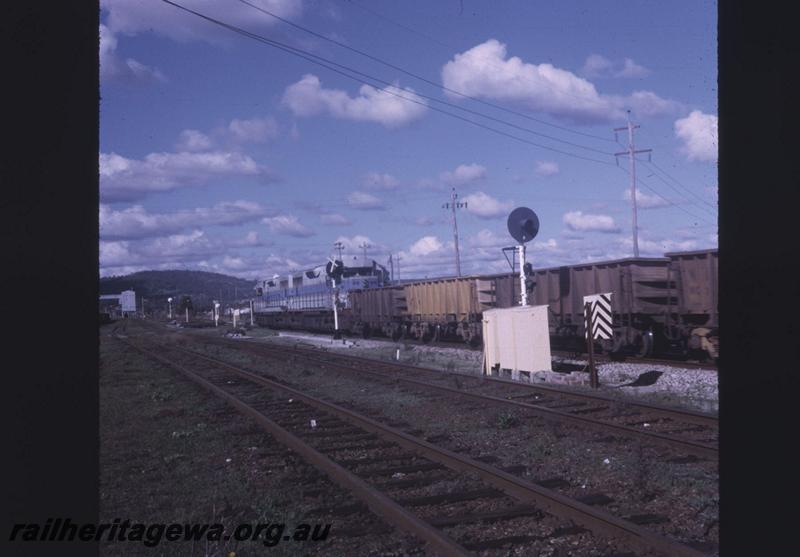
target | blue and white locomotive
[{"x": 304, "y": 299}]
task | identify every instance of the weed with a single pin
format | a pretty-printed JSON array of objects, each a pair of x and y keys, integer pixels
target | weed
[{"x": 506, "y": 421}]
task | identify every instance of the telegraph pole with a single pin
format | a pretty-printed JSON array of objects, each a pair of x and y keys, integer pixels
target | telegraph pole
[
  {"x": 453, "y": 205},
  {"x": 391, "y": 266},
  {"x": 364, "y": 246},
  {"x": 339, "y": 246},
  {"x": 398, "y": 266},
  {"x": 632, "y": 152}
]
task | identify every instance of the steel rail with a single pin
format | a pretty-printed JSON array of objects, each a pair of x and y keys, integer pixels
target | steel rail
[
  {"x": 691, "y": 447},
  {"x": 605, "y": 358},
  {"x": 551, "y": 501},
  {"x": 677, "y": 413},
  {"x": 379, "y": 503}
]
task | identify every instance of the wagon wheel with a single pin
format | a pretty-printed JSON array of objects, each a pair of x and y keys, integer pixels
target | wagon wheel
[
  {"x": 427, "y": 335},
  {"x": 396, "y": 333},
  {"x": 617, "y": 352},
  {"x": 646, "y": 347}
]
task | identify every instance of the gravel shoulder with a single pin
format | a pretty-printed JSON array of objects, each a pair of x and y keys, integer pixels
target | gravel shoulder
[
  {"x": 679, "y": 497},
  {"x": 695, "y": 389}
]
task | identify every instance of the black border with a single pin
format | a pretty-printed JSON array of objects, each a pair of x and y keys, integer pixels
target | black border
[
  {"x": 759, "y": 319},
  {"x": 49, "y": 235},
  {"x": 49, "y": 238}
]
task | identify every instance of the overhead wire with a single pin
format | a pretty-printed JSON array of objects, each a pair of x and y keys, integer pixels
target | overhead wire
[
  {"x": 328, "y": 64},
  {"x": 435, "y": 83},
  {"x": 545, "y": 83},
  {"x": 709, "y": 211},
  {"x": 393, "y": 22},
  {"x": 665, "y": 173},
  {"x": 669, "y": 201}
]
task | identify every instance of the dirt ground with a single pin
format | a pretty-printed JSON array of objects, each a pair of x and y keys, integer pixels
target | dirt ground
[
  {"x": 172, "y": 453},
  {"x": 682, "y": 498},
  {"x": 694, "y": 389}
]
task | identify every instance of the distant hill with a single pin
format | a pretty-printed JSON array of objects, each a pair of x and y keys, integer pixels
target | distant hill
[{"x": 157, "y": 286}]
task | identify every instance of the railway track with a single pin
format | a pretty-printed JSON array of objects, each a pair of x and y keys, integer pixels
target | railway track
[
  {"x": 690, "y": 432},
  {"x": 567, "y": 354},
  {"x": 603, "y": 358},
  {"x": 433, "y": 493}
]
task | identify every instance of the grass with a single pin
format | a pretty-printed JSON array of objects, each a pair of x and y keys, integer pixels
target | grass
[
  {"x": 506, "y": 420},
  {"x": 162, "y": 460}
]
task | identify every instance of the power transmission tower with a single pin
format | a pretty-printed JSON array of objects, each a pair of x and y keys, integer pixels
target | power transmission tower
[
  {"x": 391, "y": 266},
  {"x": 453, "y": 205},
  {"x": 364, "y": 246},
  {"x": 339, "y": 246},
  {"x": 632, "y": 152}
]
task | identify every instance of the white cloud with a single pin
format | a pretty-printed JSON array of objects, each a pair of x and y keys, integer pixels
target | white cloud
[
  {"x": 335, "y": 219},
  {"x": 287, "y": 225},
  {"x": 325, "y": 215},
  {"x": 171, "y": 249},
  {"x": 135, "y": 222},
  {"x": 549, "y": 245},
  {"x": 250, "y": 240},
  {"x": 123, "y": 179},
  {"x": 547, "y": 168},
  {"x": 131, "y": 17},
  {"x": 191, "y": 250},
  {"x": 233, "y": 263},
  {"x": 429, "y": 257},
  {"x": 238, "y": 132},
  {"x": 657, "y": 248},
  {"x": 647, "y": 104},
  {"x": 484, "y": 71},
  {"x": 597, "y": 66},
  {"x": 193, "y": 140},
  {"x": 377, "y": 181},
  {"x": 632, "y": 69},
  {"x": 480, "y": 254},
  {"x": 699, "y": 133},
  {"x": 600, "y": 66},
  {"x": 365, "y": 201},
  {"x": 463, "y": 175},
  {"x": 112, "y": 66},
  {"x": 577, "y": 221},
  {"x": 281, "y": 265},
  {"x": 384, "y": 106},
  {"x": 254, "y": 130},
  {"x": 485, "y": 206},
  {"x": 426, "y": 246},
  {"x": 645, "y": 200},
  {"x": 488, "y": 239}
]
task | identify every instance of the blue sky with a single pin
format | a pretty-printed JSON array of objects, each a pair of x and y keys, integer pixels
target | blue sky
[{"x": 221, "y": 153}]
